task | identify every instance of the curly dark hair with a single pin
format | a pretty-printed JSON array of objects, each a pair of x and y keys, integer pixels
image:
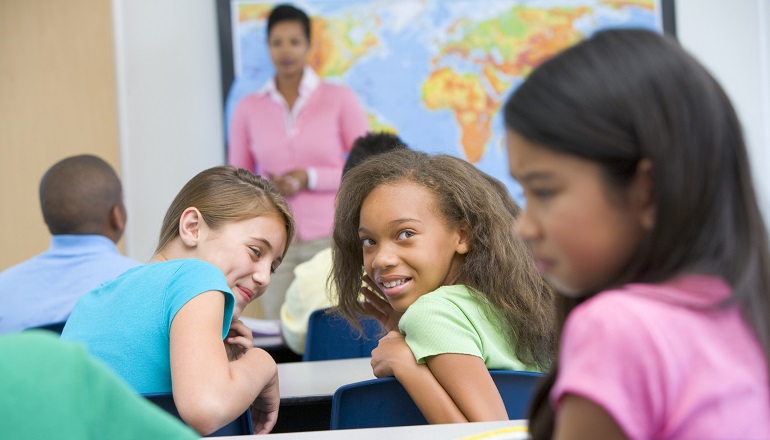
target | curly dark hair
[{"x": 498, "y": 265}]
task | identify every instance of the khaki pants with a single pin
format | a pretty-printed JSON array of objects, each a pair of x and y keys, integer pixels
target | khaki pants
[{"x": 268, "y": 306}]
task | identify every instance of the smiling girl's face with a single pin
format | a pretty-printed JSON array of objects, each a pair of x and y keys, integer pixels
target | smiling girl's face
[
  {"x": 409, "y": 249},
  {"x": 247, "y": 252}
]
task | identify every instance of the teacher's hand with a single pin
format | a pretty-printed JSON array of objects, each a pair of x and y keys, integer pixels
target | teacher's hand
[{"x": 290, "y": 183}]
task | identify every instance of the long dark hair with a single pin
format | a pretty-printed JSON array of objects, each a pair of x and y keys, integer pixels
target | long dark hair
[
  {"x": 625, "y": 95},
  {"x": 498, "y": 265}
]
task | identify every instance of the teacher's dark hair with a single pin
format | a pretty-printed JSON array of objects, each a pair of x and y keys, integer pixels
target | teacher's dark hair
[{"x": 287, "y": 12}]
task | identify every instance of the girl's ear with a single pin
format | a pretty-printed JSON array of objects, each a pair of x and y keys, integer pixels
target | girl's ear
[
  {"x": 463, "y": 242},
  {"x": 190, "y": 226},
  {"x": 644, "y": 194}
]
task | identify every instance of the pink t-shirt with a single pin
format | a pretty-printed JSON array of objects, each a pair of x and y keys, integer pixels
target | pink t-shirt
[{"x": 666, "y": 363}]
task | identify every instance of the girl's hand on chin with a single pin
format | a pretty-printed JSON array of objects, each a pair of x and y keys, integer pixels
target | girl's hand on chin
[{"x": 377, "y": 307}]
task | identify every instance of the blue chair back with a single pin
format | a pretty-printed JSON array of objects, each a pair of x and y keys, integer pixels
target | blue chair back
[
  {"x": 240, "y": 426},
  {"x": 517, "y": 388},
  {"x": 384, "y": 402},
  {"x": 329, "y": 336}
]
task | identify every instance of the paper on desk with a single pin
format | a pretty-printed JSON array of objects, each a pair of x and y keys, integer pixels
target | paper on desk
[{"x": 262, "y": 327}]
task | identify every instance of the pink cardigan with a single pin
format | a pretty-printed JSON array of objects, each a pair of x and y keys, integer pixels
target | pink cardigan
[{"x": 323, "y": 134}]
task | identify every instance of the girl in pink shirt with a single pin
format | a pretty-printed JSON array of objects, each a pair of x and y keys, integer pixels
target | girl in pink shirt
[{"x": 640, "y": 210}]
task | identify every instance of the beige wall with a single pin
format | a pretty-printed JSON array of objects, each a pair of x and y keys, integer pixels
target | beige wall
[{"x": 57, "y": 99}]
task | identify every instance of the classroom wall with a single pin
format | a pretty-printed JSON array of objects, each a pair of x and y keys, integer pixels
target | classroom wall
[
  {"x": 170, "y": 106},
  {"x": 57, "y": 99},
  {"x": 732, "y": 39}
]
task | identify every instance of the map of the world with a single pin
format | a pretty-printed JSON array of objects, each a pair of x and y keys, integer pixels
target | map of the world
[{"x": 435, "y": 72}]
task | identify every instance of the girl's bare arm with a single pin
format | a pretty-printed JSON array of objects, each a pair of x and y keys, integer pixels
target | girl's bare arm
[
  {"x": 581, "y": 418},
  {"x": 466, "y": 380},
  {"x": 209, "y": 390},
  {"x": 392, "y": 357}
]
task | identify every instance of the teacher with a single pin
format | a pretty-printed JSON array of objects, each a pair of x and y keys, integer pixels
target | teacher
[{"x": 296, "y": 131}]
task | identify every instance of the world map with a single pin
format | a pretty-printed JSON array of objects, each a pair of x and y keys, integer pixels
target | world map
[{"x": 435, "y": 72}]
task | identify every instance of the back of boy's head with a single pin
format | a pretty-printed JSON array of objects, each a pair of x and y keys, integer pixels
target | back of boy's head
[
  {"x": 224, "y": 195},
  {"x": 369, "y": 145},
  {"x": 77, "y": 195},
  {"x": 287, "y": 12},
  {"x": 464, "y": 197},
  {"x": 627, "y": 95}
]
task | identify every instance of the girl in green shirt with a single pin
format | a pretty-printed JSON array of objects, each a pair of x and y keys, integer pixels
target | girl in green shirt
[{"x": 457, "y": 291}]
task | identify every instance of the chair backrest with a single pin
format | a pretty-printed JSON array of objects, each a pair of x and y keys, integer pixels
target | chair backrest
[
  {"x": 329, "y": 336},
  {"x": 517, "y": 388},
  {"x": 240, "y": 426},
  {"x": 384, "y": 402}
]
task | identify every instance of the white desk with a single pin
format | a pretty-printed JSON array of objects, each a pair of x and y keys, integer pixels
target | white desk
[
  {"x": 318, "y": 380},
  {"x": 307, "y": 389},
  {"x": 510, "y": 430},
  {"x": 270, "y": 341}
]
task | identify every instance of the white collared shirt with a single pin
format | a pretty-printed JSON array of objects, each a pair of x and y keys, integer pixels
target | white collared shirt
[{"x": 309, "y": 82}]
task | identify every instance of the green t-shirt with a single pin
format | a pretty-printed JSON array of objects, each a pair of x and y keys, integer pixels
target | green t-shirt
[
  {"x": 54, "y": 389},
  {"x": 451, "y": 320}
]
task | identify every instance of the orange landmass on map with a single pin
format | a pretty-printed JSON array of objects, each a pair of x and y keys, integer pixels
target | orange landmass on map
[
  {"x": 553, "y": 31},
  {"x": 498, "y": 85},
  {"x": 644, "y": 4},
  {"x": 331, "y": 55},
  {"x": 548, "y": 31},
  {"x": 472, "y": 108},
  {"x": 253, "y": 12}
]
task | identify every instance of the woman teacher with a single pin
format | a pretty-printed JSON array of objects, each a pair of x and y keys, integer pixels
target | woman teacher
[{"x": 296, "y": 131}]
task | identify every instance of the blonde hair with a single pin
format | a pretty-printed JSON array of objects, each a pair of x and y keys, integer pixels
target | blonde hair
[
  {"x": 498, "y": 265},
  {"x": 226, "y": 194}
]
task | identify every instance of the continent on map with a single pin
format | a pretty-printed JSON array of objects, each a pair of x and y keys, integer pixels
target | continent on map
[
  {"x": 333, "y": 51},
  {"x": 472, "y": 107},
  {"x": 503, "y": 48}
]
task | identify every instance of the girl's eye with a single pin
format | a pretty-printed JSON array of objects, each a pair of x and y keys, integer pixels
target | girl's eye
[
  {"x": 256, "y": 251},
  {"x": 366, "y": 242},
  {"x": 540, "y": 193},
  {"x": 403, "y": 235}
]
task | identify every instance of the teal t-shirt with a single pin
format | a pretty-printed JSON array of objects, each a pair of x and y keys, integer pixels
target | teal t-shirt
[
  {"x": 126, "y": 323},
  {"x": 53, "y": 389},
  {"x": 451, "y": 320}
]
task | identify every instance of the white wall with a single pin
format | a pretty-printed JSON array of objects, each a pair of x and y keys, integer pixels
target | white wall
[
  {"x": 170, "y": 100},
  {"x": 169, "y": 105},
  {"x": 732, "y": 39}
]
